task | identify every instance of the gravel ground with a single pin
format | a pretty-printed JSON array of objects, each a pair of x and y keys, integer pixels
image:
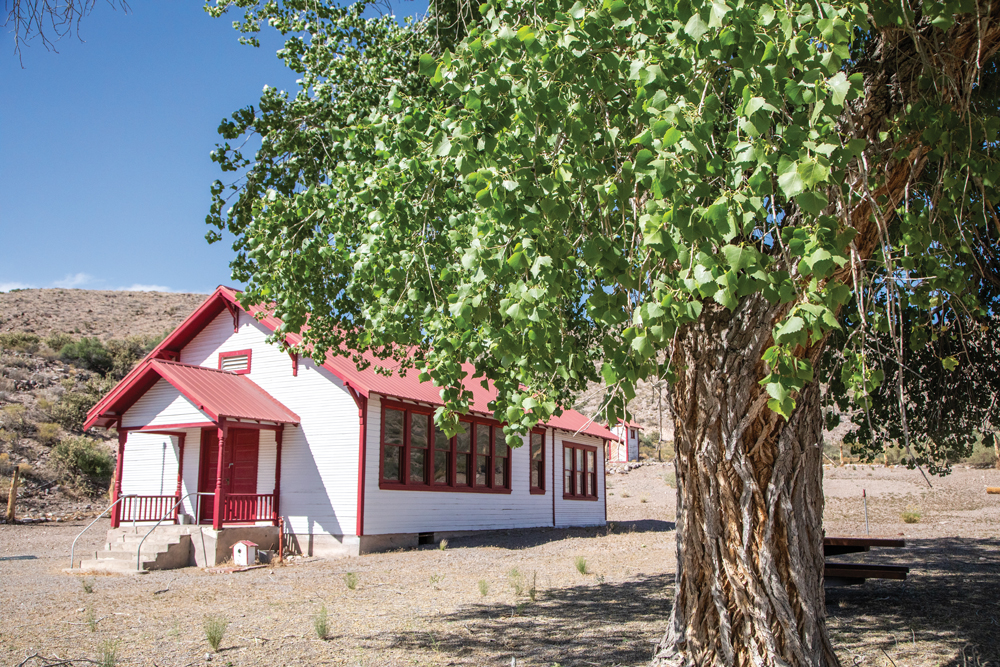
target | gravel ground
[{"x": 425, "y": 607}]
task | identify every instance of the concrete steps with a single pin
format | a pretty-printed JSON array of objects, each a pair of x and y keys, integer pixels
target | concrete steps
[{"x": 166, "y": 548}]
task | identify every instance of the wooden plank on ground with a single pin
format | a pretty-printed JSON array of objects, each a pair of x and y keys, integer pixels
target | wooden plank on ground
[
  {"x": 865, "y": 571},
  {"x": 887, "y": 542}
]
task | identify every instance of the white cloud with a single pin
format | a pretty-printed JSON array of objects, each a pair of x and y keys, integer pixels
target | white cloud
[
  {"x": 75, "y": 280},
  {"x": 146, "y": 288},
  {"x": 6, "y": 287}
]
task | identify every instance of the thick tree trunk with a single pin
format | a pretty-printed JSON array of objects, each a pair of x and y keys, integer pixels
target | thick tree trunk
[
  {"x": 749, "y": 505},
  {"x": 749, "y": 585}
]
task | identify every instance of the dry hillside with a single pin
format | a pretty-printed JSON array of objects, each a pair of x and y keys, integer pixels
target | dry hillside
[{"x": 94, "y": 313}]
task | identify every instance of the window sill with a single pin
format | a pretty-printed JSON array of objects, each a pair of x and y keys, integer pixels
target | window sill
[
  {"x": 567, "y": 497},
  {"x": 390, "y": 486},
  {"x": 538, "y": 492}
]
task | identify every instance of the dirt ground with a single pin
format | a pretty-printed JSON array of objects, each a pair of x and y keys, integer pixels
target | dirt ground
[{"x": 461, "y": 606}]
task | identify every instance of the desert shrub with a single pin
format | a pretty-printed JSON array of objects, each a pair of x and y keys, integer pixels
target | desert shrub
[
  {"x": 484, "y": 587},
  {"x": 911, "y": 515},
  {"x": 58, "y": 341},
  {"x": 442, "y": 545},
  {"x": 84, "y": 456},
  {"x": 47, "y": 433},
  {"x": 14, "y": 420},
  {"x": 109, "y": 654},
  {"x": 87, "y": 584},
  {"x": 70, "y": 411},
  {"x": 91, "y": 619},
  {"x": 19, "y": 340},
  {"x": 581, "y": 564},
  {"x": 89, "y": 353},
  {"x": 516, "y": 581},
  {"x": 351, "y": 580},
  {"x": 127, "y": 352},
  {"x": 321, "y": 624},
  {"x": 215, "y": 630}
]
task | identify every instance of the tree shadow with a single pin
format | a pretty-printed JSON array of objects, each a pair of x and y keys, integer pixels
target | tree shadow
[
  {"x": 950, "y": 602},
  {"x": 527, "y": 538},
  {"x": 588, "y": 624}
]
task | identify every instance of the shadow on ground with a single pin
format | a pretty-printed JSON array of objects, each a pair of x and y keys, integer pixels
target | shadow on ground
[
  {"x": 950, "y": 604},
  {"x": 533, "y": 537},
  {"x": 589, "y": 624},
  {"x": 947, "y": 613}
]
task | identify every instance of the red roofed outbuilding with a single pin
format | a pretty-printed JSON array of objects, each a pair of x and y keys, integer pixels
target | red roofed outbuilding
[{"x": 347, "y": 460}]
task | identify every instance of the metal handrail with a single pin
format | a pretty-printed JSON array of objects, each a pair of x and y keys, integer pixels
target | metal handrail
[
  {"x": 138, "y": 551},
  {"x": 72, "y": 549}
]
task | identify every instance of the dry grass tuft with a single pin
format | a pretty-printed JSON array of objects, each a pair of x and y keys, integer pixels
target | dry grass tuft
[{"x": 215, "y": 630}]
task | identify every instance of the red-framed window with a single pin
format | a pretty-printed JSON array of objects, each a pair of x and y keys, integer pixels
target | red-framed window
[
  {"x": 536, "y": 474},
  {"x": 237, "y": 361},
  {"x": 633, "y": 433},
  {"x": 416, "y": 456},
  {"x": 579, "y": 472}
]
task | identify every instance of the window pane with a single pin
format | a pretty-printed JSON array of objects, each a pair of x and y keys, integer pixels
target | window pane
[
  {"x": 442, "y": 443},
  {"x": 390, "y": 467},
  {"x": 568, "y": 458},
  {"x": 463, "y": 440},
  {"x": 482, "y": 439},
  {"x": 591, "y": 467},
  {"x": 593, "y": 485},
  {"x": 462, "y": 470},
  {"x": 568, "y": 483},
  {"x": 418, "y": 466},
  {"x": 579, "y": 459},
  {"x": 536, "y": 446},
  {"x": 578, "y": 489},
  {"x": 441, "y": 467},
  {"x": 499, "y": 473},
  {"x": 482, "y": 470},
  {"x": 502, "y": 450},
  {"x": 419, "y": 430},
  {"x": 394, "y": 427},
  {"x": 536, "y": 475}
]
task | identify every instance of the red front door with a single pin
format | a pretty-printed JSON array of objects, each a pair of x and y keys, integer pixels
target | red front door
[{"x": 239, "y": 474}]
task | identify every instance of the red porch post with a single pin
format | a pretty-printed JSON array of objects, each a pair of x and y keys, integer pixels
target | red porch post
[
  {"x": 180, "y": 473},
  {"x": 219, "y": 500},
  {"x": 275, "y": 508},
  {"x": 119, "y": 464}
]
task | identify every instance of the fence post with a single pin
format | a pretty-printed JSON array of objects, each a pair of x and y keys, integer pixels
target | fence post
[{"x": 12, "y": 497}]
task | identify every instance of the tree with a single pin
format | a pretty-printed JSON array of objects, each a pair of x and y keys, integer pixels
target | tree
[
  {"x": 48, "y": 20},
  {"x": 629, "y": 190}
]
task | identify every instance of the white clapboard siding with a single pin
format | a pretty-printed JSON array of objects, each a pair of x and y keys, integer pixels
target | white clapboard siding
[
  {"x": 150, "y": 464},
  {"x": 162, "y": 405},
  {"x": 392, "y": 511},
  {"x": 579, "y": 512},
  {"x": 319, "y": 459}
]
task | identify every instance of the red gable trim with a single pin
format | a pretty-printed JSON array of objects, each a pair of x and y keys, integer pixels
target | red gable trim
[{"x": 217, "y": 394}]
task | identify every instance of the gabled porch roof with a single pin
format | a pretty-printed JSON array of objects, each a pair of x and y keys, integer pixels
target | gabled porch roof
[{"x": 219, "y": 394}]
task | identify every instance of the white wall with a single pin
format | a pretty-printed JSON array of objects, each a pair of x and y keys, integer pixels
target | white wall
[
  {"x": 393, "y": 511},
  {"x": 319, "y": 459},
  {"x": 163, "y": 404},
  {"x": 580, "y": 512}
]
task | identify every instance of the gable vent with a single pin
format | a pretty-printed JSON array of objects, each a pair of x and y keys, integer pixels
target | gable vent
[{"x": 235, "y": 363}]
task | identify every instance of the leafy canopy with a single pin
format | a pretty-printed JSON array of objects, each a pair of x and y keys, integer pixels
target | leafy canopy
[{"x": 553, "y": 197}]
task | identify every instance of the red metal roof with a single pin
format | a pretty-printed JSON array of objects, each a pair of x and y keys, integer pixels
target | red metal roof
[
  {"x": 365, "y": 382},
  {"x": 218, "y": 394}
]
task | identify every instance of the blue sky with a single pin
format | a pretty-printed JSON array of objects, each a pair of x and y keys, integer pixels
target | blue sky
[{"x": 104, "y": 147}]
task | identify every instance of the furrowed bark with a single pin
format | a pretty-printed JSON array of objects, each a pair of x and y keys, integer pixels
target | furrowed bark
[{"x": 749, "y": 588}]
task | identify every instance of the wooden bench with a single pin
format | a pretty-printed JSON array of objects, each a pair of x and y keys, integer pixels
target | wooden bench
[{"x": 849, "y": 574}]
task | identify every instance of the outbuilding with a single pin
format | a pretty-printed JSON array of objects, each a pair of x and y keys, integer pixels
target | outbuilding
[{"x": 222, "y": 437}]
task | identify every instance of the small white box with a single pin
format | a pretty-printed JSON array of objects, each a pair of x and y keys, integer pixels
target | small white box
[{"x": 244, "y": 553}]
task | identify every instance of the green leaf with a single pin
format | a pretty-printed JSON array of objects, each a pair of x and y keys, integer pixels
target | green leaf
[
  {"x": 428, "y": 64},
  {"x": 812, "y": 172},
  {"x": 812, "y": 203},
  {"x": 949, "y": 363},
  {"x": 839, "y": 87},
  {"x": 789, "y": 179},
  {"x": 740, "y": 257},
  {"x": 695, "y": 27}
]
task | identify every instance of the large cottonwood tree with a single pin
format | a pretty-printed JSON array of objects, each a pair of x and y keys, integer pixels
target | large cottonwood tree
[{"x": 631, "y": 189}]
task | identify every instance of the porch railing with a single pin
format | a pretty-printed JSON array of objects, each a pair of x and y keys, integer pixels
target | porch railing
[
  {"x": 147, "y": 508},
  {"x": 247, "y": 507}
]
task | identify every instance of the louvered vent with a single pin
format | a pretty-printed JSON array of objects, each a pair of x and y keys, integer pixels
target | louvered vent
[{"x": 235, "y": 363}]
